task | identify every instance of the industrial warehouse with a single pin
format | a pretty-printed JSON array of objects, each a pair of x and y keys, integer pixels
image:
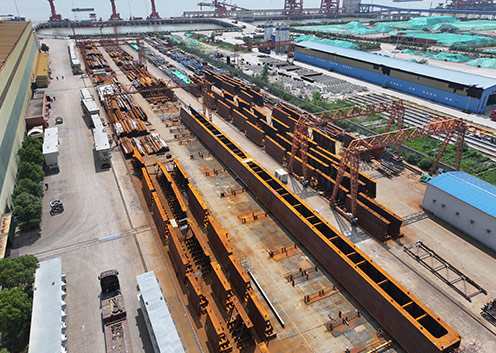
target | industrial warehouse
[
  {"x": 456, "y": 89},
  {"x": 241, "y": 179}
]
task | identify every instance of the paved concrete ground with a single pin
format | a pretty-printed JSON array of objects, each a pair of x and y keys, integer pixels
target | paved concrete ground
[
  {"x": 304, "y": 329},
  {"x": 103, "y": 226},
  {"x": 403, "y": 196}
]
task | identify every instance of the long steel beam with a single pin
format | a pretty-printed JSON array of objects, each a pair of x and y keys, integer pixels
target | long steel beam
[{"x": 413, "y": 325}]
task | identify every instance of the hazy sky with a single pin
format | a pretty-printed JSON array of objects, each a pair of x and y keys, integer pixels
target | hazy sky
[{"x": 39, "y": 10}]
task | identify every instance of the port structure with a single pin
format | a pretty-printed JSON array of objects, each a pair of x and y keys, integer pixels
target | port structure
[
  {"x": 54, "y": 15},
  {"x": 221, "y": 8},
  {"x": 351, "y": 154},
  {"x": 293, "y": 7},
  {"x": 329, "y": 6},
  {"x": 115, "y": 15},
  {"x": 154, "y": 13},
  {"x": 306, "y": 122}
]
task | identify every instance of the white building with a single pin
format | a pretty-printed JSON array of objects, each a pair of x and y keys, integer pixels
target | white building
[{"x": 465, "y": 202}]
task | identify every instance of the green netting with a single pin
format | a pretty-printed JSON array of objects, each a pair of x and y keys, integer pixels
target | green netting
[
  {"x": 415, "y": 28},
  {"x": 421, "y": 22},
  {"x": 353, "y": 27},
  {"x": 457, "y": 58},
  {"x": 449, "y": 39},
  {"x": 443, "y": 23},
  {"x": 486, "y": 63},
  {"x": 337, "y": 43}
]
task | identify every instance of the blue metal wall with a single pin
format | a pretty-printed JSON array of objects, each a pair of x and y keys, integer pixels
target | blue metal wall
[{"x": 452, "y": 99}]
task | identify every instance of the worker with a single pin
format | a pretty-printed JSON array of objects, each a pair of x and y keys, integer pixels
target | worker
[
  {"x": 46, "y": 186},
  {"x": 347, "y": 350}
]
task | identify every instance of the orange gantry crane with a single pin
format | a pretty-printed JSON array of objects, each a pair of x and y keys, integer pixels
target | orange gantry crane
[
  {"x": 308, "y": 121},
  {"x": 351, "y": 155}
]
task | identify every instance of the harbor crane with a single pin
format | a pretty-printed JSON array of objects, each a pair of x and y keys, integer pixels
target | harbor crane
[{"x": 54, "y": 15}]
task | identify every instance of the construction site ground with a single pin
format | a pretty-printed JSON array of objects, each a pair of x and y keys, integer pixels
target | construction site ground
[
  {"x": 252, "y": 241},
  {"x": 107, "y": 225},
  {"x": 403, "y": 195}
]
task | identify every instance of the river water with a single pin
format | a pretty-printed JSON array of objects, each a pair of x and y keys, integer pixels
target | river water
[
  {"x": 129, "y": 29},
  {"x": 39, "y": 10}
]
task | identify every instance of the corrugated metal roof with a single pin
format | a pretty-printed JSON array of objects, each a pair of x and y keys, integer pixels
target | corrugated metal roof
[
  {"x": 459, "y": 77},
  {"x": 471, "y": 190},
  {"x": 159, "y": 318},
  {"x": 10, "y": 31},
  {"x": 46, "y": 318},
  {"x": 42, "y": 66}
]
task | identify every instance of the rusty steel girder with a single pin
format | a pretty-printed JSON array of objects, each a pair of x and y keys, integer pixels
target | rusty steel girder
[
  {"x": 412, "y": 324},
  {"x": 351, "y": 155}
]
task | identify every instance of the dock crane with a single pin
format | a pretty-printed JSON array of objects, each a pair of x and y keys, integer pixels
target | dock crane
[
  {"x": 115, "y": 15},
  {"x": 154, "y": 13},
  {"x": 221, "y": 8},
  {"x": 54, "y": 15}
]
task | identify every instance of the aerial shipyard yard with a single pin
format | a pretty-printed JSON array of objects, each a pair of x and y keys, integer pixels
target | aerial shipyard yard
[{"x": 249, "y": 180}]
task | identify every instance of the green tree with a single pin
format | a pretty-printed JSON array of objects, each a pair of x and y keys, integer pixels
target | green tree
[
  {"x": 264, "y": 75},
  {"x": 32, "y": 142},
  {"x": 44, "y": 48},
  {"x": 4, "y": 350},
  {"x": 30, "y": 154},
  {"x": 426, "y": 163},
  {"x": 27, "y": 210},
  {"x": 29, "y": 186},
  {"x": 317, "y": 96},
  {"x": 15, "y": 311},
  {"x": 30, "y": 170},
  {"x": 18, "y": 272}
]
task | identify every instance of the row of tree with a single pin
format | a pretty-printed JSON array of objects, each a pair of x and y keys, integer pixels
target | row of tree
[
  {"x": 29, "y": 191},
  {"x": 16, "y": 301}
]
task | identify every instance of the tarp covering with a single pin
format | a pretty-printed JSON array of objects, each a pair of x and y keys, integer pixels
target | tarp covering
[
  {"x": 486, "y": 63},
  {"x": 457, "y": 58},
  {"x": 336, "y": 43}
]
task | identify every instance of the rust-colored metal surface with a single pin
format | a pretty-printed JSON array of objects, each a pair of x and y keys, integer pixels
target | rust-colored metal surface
[
  {"x": 239, "y": 120},
  {"x": 221, "y": 287},
  {"x": 196, "y": 205},
  {"x": 159, "y": 215},
  {"x": 178, "y": 255},
  {"x": 237, "y": 276},
  {"x": 195, "y": 296},
  {"x": 147, "y": 186},
  {"x": 274, "y": 149},
  {"x": 405, "y": 317},
  {"x": 254, "y": 133},
  {"x": 215, "y": 333},
  {"x": 217, "y": 237},
  {"x": 259, "y": 317}
]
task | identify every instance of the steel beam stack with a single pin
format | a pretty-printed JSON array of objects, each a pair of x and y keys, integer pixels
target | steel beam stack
[{"x": 414, "y": 326}]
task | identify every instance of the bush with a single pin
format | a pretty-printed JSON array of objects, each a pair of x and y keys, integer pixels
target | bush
[
  {"x": 426, "y": 163},
  {"x": 29, "y": 186},
  {"x": 30, "y": 170},
  {"x": 18, "y": 272},
  {"x": 15, "y": 311},
  {"x": 27, "y": 211},
  {"x": 31, "y": 154},
  {"x": 32, "y": 142}
]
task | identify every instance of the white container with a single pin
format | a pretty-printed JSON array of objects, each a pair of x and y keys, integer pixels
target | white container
[
  {"x": 51, "y": 148},
  {"x": 282, "y": 175}
]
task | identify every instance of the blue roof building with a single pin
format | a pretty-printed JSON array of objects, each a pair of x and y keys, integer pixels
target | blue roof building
[
  {"x": 466, "y": 202},
  {"x": 454, "y": 88}
]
